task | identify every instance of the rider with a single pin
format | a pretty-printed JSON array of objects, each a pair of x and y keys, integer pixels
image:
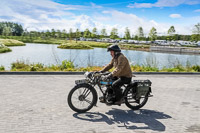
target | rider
[{"x": 122, "y": 71}]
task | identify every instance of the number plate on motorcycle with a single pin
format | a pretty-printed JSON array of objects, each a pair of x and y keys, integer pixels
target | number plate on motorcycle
[{"x": 81, "y": 81}]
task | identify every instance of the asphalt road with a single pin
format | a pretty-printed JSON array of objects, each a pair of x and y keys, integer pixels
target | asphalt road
[{"x": 38, "y": 104}]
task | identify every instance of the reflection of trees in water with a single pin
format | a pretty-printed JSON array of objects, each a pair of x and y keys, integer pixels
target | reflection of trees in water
[
  {"x": 92, "y": 57},
  {"x": 50, "y": 54},
  {"x": 99, "y": 57},
  {"x": 55, "y": 56}
]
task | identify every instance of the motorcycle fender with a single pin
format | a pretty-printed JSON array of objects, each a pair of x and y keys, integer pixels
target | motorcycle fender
[{"x": 150, "y": 89}]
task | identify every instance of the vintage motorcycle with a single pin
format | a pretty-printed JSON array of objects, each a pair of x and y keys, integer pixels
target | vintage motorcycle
[{"x": 84, "y": 95}]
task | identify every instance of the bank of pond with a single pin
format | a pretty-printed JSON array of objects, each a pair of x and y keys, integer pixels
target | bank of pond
[
  {"x": 5, "y": 43},
  {"x": 71, "y": 44},
  {"x": 67, "y": 44}
]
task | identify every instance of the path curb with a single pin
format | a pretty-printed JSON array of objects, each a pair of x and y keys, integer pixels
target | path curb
[{"x": 81, "y": 73}]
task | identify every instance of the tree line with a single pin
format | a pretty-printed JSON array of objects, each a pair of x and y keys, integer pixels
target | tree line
[
  {"x": 11, "y": 29},
  {"x": 14, "y": 29}
]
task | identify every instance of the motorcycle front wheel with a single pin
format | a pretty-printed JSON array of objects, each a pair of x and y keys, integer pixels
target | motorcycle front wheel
[{"x": 82, "y": 98}]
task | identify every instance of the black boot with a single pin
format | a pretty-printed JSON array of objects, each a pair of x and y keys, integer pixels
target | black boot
[{"x": 118, "y": 96}]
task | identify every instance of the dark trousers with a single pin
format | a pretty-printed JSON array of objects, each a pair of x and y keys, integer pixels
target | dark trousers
[{"x": 117, "y": 84}]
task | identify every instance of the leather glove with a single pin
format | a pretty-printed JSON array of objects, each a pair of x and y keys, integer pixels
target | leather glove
[
  {"x": 101, "y": 71},
  {"x": 107, "y": 76},
  {"x": 98, "y": 72}
]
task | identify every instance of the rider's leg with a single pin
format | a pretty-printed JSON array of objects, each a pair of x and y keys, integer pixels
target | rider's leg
[{"x": 117, "y": 86}]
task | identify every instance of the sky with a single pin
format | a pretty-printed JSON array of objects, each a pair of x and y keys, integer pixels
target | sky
[{"x": 42, "y": 15}]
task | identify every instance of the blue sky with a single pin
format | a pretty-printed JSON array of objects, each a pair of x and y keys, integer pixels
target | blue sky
[{"x": 65, "y": 14}]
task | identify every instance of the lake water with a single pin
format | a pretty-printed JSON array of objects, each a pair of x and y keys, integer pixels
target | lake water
[{"x": 49, "y": 54}]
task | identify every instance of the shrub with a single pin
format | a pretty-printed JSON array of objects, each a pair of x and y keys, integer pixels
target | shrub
[
  {"x": 12, "y": 42},
  {"x": 20, "y": 66},
  {"x": 74, "y": 46},
  {"x": 2, "y": 68},
  {"x": 67, "y": 65},
  {"x": 36, "y": 67},
  {"x": 5, "y": 49},
  {"x": 96, "y": 44},
  {"x": 196, "y": 68}
]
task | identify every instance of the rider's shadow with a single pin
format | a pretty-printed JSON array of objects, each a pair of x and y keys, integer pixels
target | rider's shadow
[{"x": 140, "y": 119}]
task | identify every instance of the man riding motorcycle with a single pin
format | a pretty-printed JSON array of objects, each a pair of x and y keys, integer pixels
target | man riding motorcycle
[{"x": 122, "y": 73}]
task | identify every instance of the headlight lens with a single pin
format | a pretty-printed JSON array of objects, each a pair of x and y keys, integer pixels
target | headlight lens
[{"x": 86, "y": 74}]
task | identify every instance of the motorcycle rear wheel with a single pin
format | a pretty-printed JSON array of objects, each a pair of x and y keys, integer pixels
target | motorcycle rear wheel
[
  {"x": 82, "y": 98},
  {"x": 134, "y": 103}
]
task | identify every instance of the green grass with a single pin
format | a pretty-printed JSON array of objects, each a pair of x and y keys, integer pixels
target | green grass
[
  {"x": 96, "y": 44},
  {"x": 69, "y": 66},
  {"x": 73, "y": 45},
  {"x": 12, "y": 42},
  {"x": 4, "y": 43},
  {"x": 49, "y": 41},
  {"x": 65, "y": 66},
  {"x": 2, "y": 68},
  {"x": 5, "y": 49},
  {"x": 135, "y": 47}
]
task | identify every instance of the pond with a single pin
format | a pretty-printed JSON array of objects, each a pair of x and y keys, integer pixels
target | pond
[{"x": 49, "y": 54}]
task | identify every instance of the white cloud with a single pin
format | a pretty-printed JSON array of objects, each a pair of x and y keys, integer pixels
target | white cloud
[
  {"x": 198, "y": 10},
  {"x": 121, "y": 20},
  {"x": 140, "y": 5},
  {"x": 164, "y": 3},
  {"x": 47, "y": 15},
  {"x": 94, "y": 5},
  {"x": 175, "y": 15}
]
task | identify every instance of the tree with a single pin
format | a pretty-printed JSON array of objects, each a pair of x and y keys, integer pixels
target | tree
[
  {"x": 17, "y": 30},
  {"x": 127, "y": 34},
  {"x": 48, "y": 33},
  {"x": 77, "y": 34},
  {"x": 1, "y": 28},
  {"x": 25, "y": 33},
  {"x": 64, "y": 34},
  {"x": 135, "y": 37},
  {"x": 195, "y": 37},
  {"x": 140, "y": 33},
  {"x": 171, "y": 30},
  {"x": 53, "y": 32},
  {"x": 103, "y": 33},
  {"x": 87, "y": 33},
  {"x": 94, "y": 33},
  {"x": 153, "y": 34},
  {"x": 114, "y": 33},
  {"x": 171, "y": 33},
  {"x": 196, "y": 29},
  {"x": 70, "y": 33},
  {"x": 7, "y": 31},
  {"x": 58, "y": 34}
]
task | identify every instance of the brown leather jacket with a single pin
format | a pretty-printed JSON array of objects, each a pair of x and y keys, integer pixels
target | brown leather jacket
[{"x": 121, "y": 65}]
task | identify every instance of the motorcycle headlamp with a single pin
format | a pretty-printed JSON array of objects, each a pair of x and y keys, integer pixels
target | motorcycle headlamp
[{"x": 88, "y": 74}]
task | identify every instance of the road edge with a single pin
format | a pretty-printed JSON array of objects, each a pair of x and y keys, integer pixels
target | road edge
[{"x": 81, "y": 73}]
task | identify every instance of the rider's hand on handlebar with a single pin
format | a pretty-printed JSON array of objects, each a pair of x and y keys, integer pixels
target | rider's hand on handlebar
[
  {"x": 95, "y": 72},
  {"x": 100, "y": 71},
  {"x": 107, "y": 76}
]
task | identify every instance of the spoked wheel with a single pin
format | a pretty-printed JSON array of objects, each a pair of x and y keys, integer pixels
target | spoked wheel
[
  {"x": 134, "y": 102},
  {"x": 82, "y": 98}
]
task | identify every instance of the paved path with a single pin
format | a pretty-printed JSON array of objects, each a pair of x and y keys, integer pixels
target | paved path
[{"x": 37, "y": 104}]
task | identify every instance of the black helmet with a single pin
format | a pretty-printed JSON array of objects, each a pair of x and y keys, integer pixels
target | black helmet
[{"x": 114, "y": 47}]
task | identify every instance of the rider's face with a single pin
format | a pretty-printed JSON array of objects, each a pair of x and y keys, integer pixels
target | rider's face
[{"x": 112, "y": 53}]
